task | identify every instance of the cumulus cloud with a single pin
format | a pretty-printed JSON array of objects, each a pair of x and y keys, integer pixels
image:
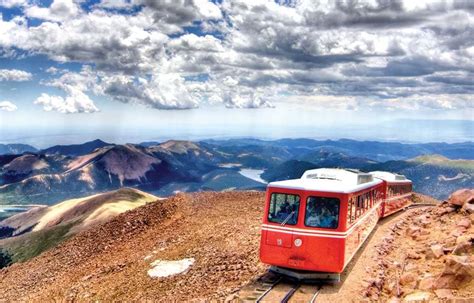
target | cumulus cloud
[
  {"x": 12, "y": 3},
  {"x": 58, "y": 11},
  {"x": 7, "y": 106},
  {"x": 115, "y": 4},
  {"x": 75, "y": 102},
  {"x": 14, "y": 75},
  {"x": 167, "y": 91}
]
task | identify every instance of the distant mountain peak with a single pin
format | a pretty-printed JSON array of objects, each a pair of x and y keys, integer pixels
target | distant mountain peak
[
  {"x": 179, "y": 146},
  {"x": 76, "y": 149},
  {"x": 435, "y": 158}
]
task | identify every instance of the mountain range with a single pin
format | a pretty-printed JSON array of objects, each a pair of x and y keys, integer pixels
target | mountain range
[{"x": 64, "y": 172}]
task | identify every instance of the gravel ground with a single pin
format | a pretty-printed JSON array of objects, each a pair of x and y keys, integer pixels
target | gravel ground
[{"x": 219, "y": 230}]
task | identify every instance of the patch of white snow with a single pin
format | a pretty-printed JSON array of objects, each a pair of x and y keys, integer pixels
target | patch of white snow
[{"x": 163, "y": 268}]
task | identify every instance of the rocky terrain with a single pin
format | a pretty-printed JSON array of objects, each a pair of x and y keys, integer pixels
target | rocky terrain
[
  {"x": 427, "y": 256},
  {"x": 420, "y": 254}
]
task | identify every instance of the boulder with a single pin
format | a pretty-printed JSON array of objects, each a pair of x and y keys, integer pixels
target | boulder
[
  {"x": 464, "y": 223},
  {"x": 459, "y": 197},
  {"x": 418, "y": 296},
  {"x": 469, "y": 206},
  {"x": 464, "y": 245},
  {"x": 457, "y": 271},
  {"x": 444, "y": 293},
  {"x": 408, "y": 279},
  {"x": 426, "y": 283},
  {"x": 437, "y": 250}
]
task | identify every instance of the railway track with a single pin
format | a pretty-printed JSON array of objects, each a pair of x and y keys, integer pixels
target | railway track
[{"x": 284, "y": 291}]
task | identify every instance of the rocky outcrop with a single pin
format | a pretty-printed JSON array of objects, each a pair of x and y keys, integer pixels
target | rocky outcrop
[
  {"x": 430, "y": 257},
  {"x": 461, "y": 197},
  {"x": 458, "y": 270}
]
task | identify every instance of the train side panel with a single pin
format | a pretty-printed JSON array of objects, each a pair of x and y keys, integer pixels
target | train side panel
[
  {"x": 397, "y": 196},
  {"x": 364, "y": 209}
]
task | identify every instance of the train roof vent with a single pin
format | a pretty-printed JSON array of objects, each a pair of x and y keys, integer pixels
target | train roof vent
[
  {"x": 388, "y": 176},
  {"x": 335, "y": 174}
]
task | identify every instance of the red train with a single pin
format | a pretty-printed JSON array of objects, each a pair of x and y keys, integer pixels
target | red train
[{"x": 314, "y": 225}]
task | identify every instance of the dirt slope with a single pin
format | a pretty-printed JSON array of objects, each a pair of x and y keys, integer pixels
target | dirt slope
[
  {"x": 88, "y": 210},
  {"x": 219, "y": 230},
  {"x": 32, "y": 232}
]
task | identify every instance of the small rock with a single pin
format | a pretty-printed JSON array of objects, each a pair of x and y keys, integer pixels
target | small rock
[
  {"x": 469, "y": 207},
  {"x": 464, "y": 245},
  {"x": 444, "y": 293},
  {"x": 450, "y": 241},
  {"x": 413, "y": 231},
  {"x": 437, "y": 250},
  {"x": 450, "y": 209},
  {"x": 408, "y": 278},
  {"x": 465, "y": 222},
  {"x": 413, "y": 255},
  {"x": 426, "y": 283},
  {"x": 418, "y": 296}
]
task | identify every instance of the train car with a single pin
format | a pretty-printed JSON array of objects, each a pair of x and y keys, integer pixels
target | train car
[
  {"x": 397, "y": 191},
  {"x": 314, "y": 225}
]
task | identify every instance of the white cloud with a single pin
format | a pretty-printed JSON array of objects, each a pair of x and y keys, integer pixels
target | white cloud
[
  {"x": 14, "y": 75},
  {"x": 348, "y": 50},
  {"x": 246, "y": 101},
  {"x": 115, "y": 4},
  {"x": 8, "y": 106},
  {"x": 162, "y": 91},
  {"x": 75, "y": 102},
  {"x": 59, "y": 10},
  {"x": 12, "y": 3}
]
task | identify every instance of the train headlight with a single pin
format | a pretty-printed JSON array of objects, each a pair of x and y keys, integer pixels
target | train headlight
[{"x": 298, "y": 242}]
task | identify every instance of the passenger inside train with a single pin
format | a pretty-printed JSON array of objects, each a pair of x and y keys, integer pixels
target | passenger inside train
[
  {"x": 284, "y": 209},
  {"x": 322, "y": 212}
]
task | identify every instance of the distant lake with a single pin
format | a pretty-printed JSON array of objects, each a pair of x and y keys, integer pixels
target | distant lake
[
  {"x": 253, "y": 174},
  {"x": 10, "y": 210}
]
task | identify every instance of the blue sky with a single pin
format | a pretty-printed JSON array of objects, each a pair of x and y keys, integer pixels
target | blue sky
[{"x": 138, "y": 70}]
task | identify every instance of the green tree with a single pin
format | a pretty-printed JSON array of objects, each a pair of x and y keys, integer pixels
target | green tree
[{"x": 5, "y": 259}]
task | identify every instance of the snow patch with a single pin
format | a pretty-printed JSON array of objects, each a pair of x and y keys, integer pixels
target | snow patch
[
  {"x": 163, "y": 268},
  {"x": 458, "y": 176}
]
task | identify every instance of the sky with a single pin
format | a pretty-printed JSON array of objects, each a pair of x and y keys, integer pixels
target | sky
[{"x": 138, "y": 70}]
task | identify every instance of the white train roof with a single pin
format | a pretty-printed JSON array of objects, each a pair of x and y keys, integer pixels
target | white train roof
[
  {"x": 389, "y": 177},
  {"x": 330, "y": 180}
]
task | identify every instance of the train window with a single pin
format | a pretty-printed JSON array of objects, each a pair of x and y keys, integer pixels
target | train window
[
  {"x": 284, "y": 208},
  {"x": 322, "y": 212},
  {"x": 352, "y": 210}
]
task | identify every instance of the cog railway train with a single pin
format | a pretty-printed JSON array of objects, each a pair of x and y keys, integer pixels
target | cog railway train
[{"x": 313, "y": 226}]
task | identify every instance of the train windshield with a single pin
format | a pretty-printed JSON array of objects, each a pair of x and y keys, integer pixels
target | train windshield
[
  {"x": 284, "y": 208},
  {"x": 322, "y": 212}
]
